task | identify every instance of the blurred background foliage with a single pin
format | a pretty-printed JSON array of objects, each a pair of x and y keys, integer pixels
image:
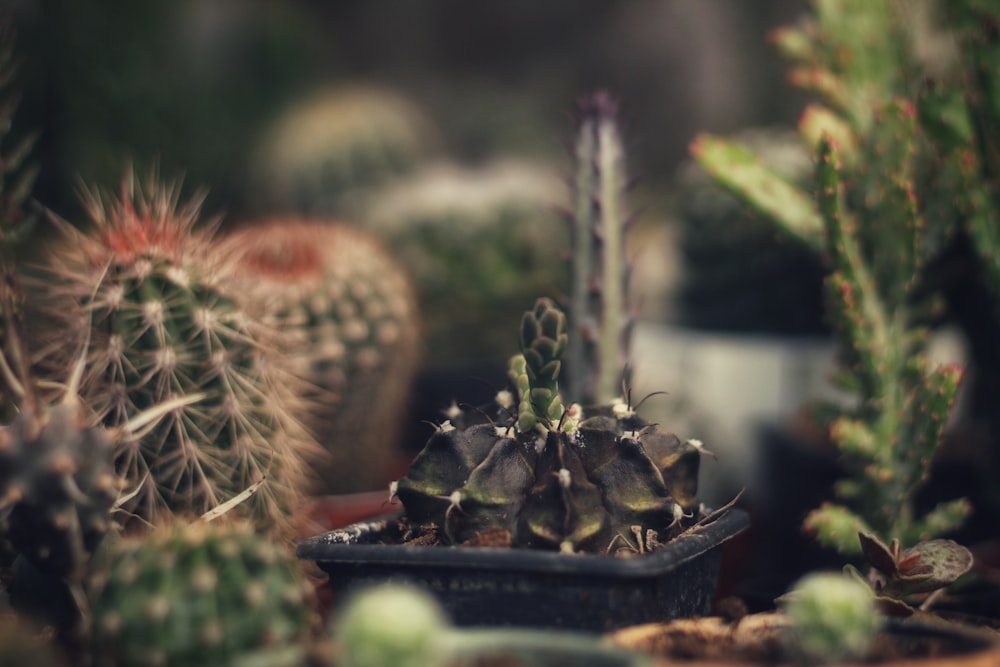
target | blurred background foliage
[
  {"x": 452, "y": 114},
  {"x": 192, "y": 84}
]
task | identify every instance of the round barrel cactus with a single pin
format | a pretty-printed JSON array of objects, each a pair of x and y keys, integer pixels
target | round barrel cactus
[
  {"x": 348, "y": 322},
  {"x": 553, "y": 477},
  {"x": 145, "y": 285},
  {"x": 195, "y": 594}
]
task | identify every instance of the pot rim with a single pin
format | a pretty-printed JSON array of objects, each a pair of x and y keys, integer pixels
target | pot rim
[{"x": 355, "y": 545}]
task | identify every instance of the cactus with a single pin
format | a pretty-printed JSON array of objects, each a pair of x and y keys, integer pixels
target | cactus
[
  {"x": 547, "y": 476},
  {"x": 598, "y": 301},
  {"x": 738, "y": 274},
  {"x": 213, "y": 593},
  {"x": 347, "y": 316},
  {"x": 326, "y": 153},
  {"x": 145, "y": 286},
  {"x": 399, "y": 625},
  {"x": 470, "y": 236},
  {"x": 58, "y": 483},
  {"x": 880, "y": 216},
  {"x": 833, "y": 619}
]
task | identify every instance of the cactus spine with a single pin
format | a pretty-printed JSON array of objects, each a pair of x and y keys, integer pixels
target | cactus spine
[
  {"x": 348, "y": 318},
  {"x": 548, "y": 477},
  {"x": 879, "y": 217},
  {"x": 146, "y": 286},
  {"x": 211, "y": 593}
]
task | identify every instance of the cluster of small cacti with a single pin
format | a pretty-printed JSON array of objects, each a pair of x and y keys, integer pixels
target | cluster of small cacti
[
  {"x": 145, "y": 287},
  {"x": 325, "y": 154},
  {"x": 347, "y": 318},
  {"x": 738, "y": 275},
  {"x": 550, "y": 477},
  {"x": 215, "y": 593},
  {"x": 889, "y": 193}
]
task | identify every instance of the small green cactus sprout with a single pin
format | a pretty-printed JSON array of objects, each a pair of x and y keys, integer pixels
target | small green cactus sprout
[
  {"x": 145, "y": 285},
  {"x": 392, "y": 625},
  {"x": 203, "y": 593},
  {"x": 348, "y": 321},
  {"x": 550, "y": 477},
  {"x": 833, "y": 618},
  {"x": 397, "y": 625}
]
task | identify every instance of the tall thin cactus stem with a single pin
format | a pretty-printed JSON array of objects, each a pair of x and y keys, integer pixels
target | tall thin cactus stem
[{"x": 599, "y": 317}]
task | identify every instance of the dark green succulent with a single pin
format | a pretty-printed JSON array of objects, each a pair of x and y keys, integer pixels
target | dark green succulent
[{"x": 550, "y": 476}]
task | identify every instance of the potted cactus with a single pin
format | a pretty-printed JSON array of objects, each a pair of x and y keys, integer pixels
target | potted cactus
[{"x": 538, "y": 511}]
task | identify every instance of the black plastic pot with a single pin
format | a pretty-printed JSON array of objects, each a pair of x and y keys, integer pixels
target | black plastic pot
[{"x": 522, "y": 587}]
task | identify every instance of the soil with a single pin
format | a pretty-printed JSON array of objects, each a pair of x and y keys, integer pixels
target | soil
[{"x": 757, "y": 639}]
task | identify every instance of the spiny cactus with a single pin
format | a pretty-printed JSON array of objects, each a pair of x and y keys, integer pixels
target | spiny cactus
[
  {"x": 144, "y": 283},
  {"x": 214, "y": 593},
  {"x": 880, "y": 216},
  {"x": 348, "y": 320},
  {"x": 598, "y": 301},
  {"x": 550, "y": 477}
]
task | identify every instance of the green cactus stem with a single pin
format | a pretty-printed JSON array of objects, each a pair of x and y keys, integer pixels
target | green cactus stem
[
  {"x": 598, "y": 300},
  {"x": 886, "y": 202}
]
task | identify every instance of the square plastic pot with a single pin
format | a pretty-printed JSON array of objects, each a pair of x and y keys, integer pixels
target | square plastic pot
[{"x": 522, "y": 587}]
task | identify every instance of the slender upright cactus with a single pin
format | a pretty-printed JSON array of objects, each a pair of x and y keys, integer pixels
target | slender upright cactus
[{"x": 598, "y": 301}]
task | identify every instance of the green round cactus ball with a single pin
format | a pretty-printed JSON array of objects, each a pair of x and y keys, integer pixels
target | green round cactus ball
[
  {"x": 215, "y": 593},
  {"x": 391, "y": 625},
  {"x": 833, "y": 618}
]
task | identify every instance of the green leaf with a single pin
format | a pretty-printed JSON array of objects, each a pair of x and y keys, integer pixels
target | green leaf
[{"x": 738, "y": 170}]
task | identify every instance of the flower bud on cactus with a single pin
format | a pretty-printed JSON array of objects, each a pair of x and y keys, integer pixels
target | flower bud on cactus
[
  {"x": 549, "y": 477},
  {"x": 197, "y": 594},
  {"x": 348, "y": 319},
  {"x": 57, "y": 481},
  {"x": 145, "y": 282}
]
